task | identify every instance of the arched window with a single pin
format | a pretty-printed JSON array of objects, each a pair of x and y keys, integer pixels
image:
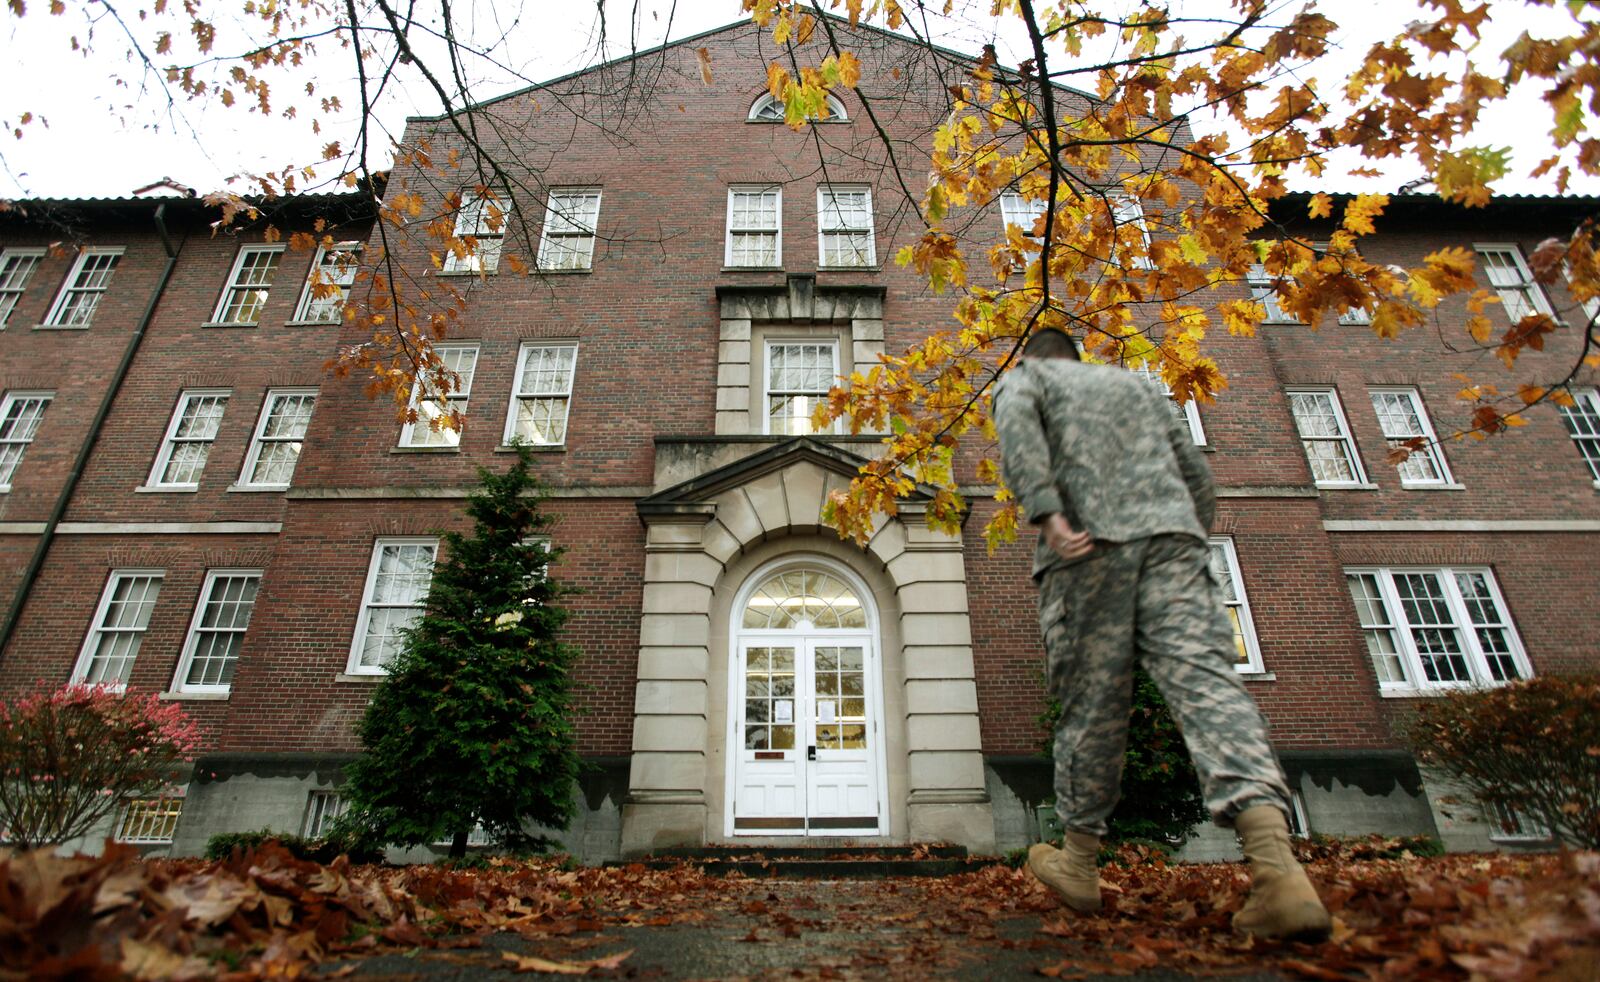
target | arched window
[
  {"x": 807, "y": 599},
  {"x": 766, "y": 109}
]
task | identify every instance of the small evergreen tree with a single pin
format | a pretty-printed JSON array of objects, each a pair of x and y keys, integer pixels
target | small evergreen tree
[
  {"x": 473, "y": 724},
  {"x": 1161, "y": 797}
]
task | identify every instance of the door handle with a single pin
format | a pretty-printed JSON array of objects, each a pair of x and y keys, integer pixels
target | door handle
[{"x": 811, "y": 753}]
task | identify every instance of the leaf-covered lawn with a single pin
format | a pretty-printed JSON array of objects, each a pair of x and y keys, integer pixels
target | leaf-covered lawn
[{"x": 267, "y": 914}]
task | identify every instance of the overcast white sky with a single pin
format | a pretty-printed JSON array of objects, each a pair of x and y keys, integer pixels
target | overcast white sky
[{"x": 103, "y": 140}]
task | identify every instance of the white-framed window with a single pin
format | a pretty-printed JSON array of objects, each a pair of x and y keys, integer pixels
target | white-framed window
[
  {"x": 1355, "y": 316},
  {"x": 480, "y": 223},
  {"x": 84, "y": 288},
  {"x": 20, "y": 416},
  {"x": 766, "y": 109},
  {"x": 279, "y": 434},
  {"x": 151, "y": 820},
  {"x": 1264, "y": 291},
  {"x": 462, "y": 360},
  {"x": 1021, "y": 212},
  {"x": 477, "y": 836},
  {"x": 570, "y": 220},
  {"x": 1298, "y": 826},
  {"x": 755, "y": 227},
  {"x": 396, "y": 593},
  {"x": 1188, "y": 412},
  {"x": 245, "y": 295},
  {"x": 1325, "y": 434},
  {"x": 187, "y": 444},
  {"x": 1509, "y": 824},
  {"x": 120, "y": 620},
  {"x": 799, "y": 375},
  {"x": 216, "y": 632},
  {"x": 1127, "y": 210},
  {"x": 1509, "y": 277},
  {"x": 333, "y": 272},
  {"x": 1225, "y": 567},
  {"x": 17, "y": 267},
  {"x": 844, "y": 227},
  {"x": 541, "y": 394},
  {"x": 1436, "y": 627},
  {"x": 1402, "y": 417},
  {"x": 322, "y": 808},
  {"x": 1582, "y": 420}
]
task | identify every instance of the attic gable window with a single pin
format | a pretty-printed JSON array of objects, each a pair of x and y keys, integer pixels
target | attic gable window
[{"x": 766, "y": 109}]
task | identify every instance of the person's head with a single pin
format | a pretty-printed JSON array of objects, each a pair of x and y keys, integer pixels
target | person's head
[{"x": 1047, "y": 342}]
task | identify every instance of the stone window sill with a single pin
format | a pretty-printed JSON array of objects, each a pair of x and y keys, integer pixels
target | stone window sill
[
  {"x": 876, "y": 268},
  {"x": 228, "y": 324},
  {"x": 467, "y": 272},
  {"x": 1452, "y": 486},
  {"x": 158, "y": 489},
  {"x": 61, "y": 327},
  {"x": 1409, "y": 692},
  {"x": 455, "y": 449},
  {"x": 257, "y": 488},
  {"x": 535, "y": 447},
  {"x": 311, "y": 323},
  {"x": 194, "y": 696},
  {"x": 1365, "y": 486},
  {"x": 363, "y": 679},
  {"x": 1258, "y": 676},
  {"x": 752, "y": 269}
]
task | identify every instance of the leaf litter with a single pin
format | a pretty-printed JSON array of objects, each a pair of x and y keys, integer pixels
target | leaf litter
[{"x": 265, "y": 914}]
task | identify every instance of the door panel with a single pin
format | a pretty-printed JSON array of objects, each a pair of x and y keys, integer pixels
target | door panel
[
  {"x": 841, "y": 781},
  {"x": 770, "y": 783}
]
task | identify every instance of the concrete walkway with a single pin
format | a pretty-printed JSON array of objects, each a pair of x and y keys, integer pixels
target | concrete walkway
[{"x": 788, "y": 929}]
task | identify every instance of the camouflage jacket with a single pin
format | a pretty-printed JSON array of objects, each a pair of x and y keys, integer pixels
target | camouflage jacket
[{"x": 1102, "y": 446}]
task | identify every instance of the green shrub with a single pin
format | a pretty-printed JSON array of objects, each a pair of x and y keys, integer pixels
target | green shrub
[
  {"x": 1532, "y": 746},
  {"x": 1161, "y": 800}
]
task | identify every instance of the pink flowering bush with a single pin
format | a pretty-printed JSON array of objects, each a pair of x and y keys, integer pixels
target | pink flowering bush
[{"x": 69, "y": 755}]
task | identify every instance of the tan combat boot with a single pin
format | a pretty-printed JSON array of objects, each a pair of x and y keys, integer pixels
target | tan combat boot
[
  {"x": 1282, "y": 902},
  {"x": 1073, "y": 871}
]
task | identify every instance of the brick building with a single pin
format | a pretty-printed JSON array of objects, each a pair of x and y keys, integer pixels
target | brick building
[{"x": 190, "y": 503}]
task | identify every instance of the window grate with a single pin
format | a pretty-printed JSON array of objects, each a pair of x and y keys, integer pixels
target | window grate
[{"x": 150, "y": 821}]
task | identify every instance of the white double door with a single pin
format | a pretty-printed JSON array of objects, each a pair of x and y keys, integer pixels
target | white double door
[{"x": 809, "y": 745}]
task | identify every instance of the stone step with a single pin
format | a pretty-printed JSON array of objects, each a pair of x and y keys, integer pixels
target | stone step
[{"x": 799, "y": 863}]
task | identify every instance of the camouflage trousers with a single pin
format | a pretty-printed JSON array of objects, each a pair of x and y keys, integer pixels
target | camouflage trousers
[{"x": 1153, "y": 599}]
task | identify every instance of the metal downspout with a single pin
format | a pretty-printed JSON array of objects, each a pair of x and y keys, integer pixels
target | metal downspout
[{"x": 14, "y": 615}]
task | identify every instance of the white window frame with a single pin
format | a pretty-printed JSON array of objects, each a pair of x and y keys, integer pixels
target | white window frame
[
  {"x": 363, "y": 619},
  {"x": 1529, "y": 829},
  {"x": 776, "y": 230},
  {"x": 149, "y": 820},
  {"x": 829, "y": 192},
  {"x": 767, "y": 109},
  {"x": 1129, "y": 210},
  {"x": 564, "y": 393},
  {"x": 766, "y": 381},
  {"x": 1345, "y": 437},
  {"x": 259, "y": 439},
  {"x": 235, "y": 286},
  {"x": 565, "y": 243},
  {"x": 98, "y": 626},
  {"x": 1190, "y": 409},
  {"x": 11, "y": 439},
  {"x": 340, "y": 274},
  {"x": 474, "y": 221},
  {"x": 1022, "y": 212},
  {"x": 191, "y": 642},
  {"x": 1585, "y": 414},
  {"x": 417, "y": 434},
  {"x": 1247, "y": 623},
  {"x": 70, "y": 287},
  {"x": 324, "y": 806},
  {"x": 170, "y": 440},
  {"x": 1264, "y": 291},
  {"x": 1523, "y": 292},
  {"x": 17, "y": 267},
  {"x": 1430, "y": 450},
  {"x": 1404, "y": 643},
  {"x": 1299, "y": 827}
]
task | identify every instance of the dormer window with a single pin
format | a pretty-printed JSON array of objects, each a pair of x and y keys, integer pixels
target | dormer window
[{"x": 766, "y": 109}]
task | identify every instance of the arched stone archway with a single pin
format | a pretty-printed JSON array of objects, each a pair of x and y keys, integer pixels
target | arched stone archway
[{"x": 695, "y": 532}]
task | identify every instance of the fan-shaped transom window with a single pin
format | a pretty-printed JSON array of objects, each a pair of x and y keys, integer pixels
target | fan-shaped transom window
[
  {"x": 766, "y": 109},
  {"x": 804, "y": 599}
]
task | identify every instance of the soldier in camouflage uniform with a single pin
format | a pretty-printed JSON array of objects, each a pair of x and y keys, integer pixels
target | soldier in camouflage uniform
[{"x": 1124, "y": 500}]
